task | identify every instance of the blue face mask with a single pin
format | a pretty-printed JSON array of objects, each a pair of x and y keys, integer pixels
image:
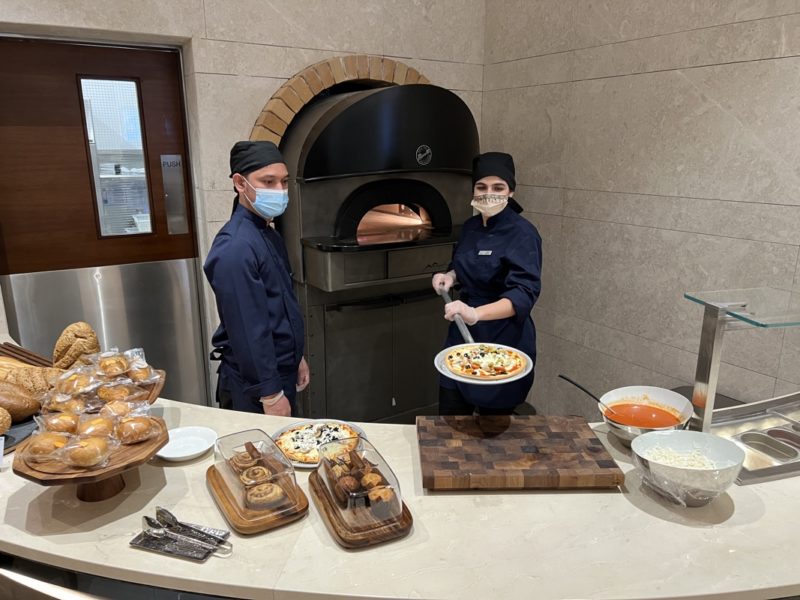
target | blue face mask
[{"x": 269, "y": 203}]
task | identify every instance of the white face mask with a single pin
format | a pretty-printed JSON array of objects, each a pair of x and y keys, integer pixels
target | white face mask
[{"x": 489, "y": 205}]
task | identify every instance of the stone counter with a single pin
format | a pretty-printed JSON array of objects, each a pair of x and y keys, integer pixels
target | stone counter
[{"x": 608, "y": 544}]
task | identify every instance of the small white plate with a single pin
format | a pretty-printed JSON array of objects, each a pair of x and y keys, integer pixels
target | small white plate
[
  {"x": 186, "y": 443},
  {"x": 438, "y": 362},
  {"x": 296, "y": 423}
]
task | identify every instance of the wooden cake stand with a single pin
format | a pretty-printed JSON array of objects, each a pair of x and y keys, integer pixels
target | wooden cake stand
[{"x": 97, "y": 484}]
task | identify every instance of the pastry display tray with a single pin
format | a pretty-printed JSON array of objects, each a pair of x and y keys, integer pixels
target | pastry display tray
[{"x": 769, "y": 433}]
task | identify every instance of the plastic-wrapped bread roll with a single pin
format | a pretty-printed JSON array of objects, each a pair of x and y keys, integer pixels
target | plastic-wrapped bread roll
[{"x": 75, "y": 341}]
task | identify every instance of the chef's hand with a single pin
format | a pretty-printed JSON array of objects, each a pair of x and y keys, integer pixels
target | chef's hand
[
  {"x": 469, "y": 314},
  {"x": 276, "y": 405},
  {"x": 443, "y": 281},
  {"x": 303, "y": 375}
]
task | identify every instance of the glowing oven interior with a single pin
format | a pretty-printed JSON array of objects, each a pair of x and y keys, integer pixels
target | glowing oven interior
[{"x": 389, "y": 223}]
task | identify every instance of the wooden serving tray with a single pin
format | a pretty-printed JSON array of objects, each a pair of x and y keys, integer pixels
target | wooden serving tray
[
  {"x": 370, "y": 531},
  {"x": 93, "y": 484},
  {"x": 245, "y": 520},
  {"x": 514, "y": 452}
]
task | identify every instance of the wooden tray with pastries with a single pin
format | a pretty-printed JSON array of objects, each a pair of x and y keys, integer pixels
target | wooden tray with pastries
[
  {"x": 93, "y": 484},
  {"x": 358, "y": 495},
  {"x": 260, "y": 492}
]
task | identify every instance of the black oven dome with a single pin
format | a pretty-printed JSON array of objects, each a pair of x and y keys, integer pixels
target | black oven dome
[{"x": 389, "y": 130}]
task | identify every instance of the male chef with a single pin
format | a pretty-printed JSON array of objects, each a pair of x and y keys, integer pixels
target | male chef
[{"x": 260, "y": 337}]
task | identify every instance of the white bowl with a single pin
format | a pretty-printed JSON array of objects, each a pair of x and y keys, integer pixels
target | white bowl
[
  {"x": 186, "y": 443},
  {"x": 657, "y": 396},
  {"x": 685, "y": 485}
]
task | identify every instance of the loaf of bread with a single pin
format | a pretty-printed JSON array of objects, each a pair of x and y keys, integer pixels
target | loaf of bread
[
  {"x": 36, "y": 380},
  {"x": 7, "y": 363},
  {"x": 5, "y": 421},
  {"x": 18, "y": 401},
  {"x": 75, "y": 341}
]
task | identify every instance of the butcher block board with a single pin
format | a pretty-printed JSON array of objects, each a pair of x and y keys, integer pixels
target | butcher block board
[{"x": 514, "y": 452}]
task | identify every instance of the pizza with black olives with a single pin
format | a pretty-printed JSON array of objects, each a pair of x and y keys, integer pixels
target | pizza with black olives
[
  {"x": 485, "y": 362},
  {"x": 300, "y": 443}
]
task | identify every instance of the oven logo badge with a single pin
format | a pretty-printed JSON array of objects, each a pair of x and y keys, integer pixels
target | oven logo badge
[{"x": 424, "y": 154}]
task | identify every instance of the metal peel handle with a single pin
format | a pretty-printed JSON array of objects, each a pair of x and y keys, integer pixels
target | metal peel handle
[{"x": 462, "y": 327}]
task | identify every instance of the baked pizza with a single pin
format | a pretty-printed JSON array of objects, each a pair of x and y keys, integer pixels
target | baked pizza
[
  {"x": 485, "y": 362},
  {"x": 300, "y": 443}
]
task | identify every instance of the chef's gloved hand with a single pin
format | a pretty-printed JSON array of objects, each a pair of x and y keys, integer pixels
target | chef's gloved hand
[
  {"x": 444, "y": 281},
  {"x": 469, "y": 314}
]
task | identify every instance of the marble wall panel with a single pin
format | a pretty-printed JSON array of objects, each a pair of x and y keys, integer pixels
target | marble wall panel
[
  {"x": 742, "y": 220},
  {"x": 633, "y": 278},
  {"x": 547, "y": 200},
  {"x": 607, "y": 21},
  {"x": 227, "y": 106},
  {"x": 531, "y": 124},
  {"x": 761, "y": 96},
  {"x": 524, "y": 72},
  {"x": 790, "y": 356},
  {"x": 660, "y": 134},
  {"x": 785, "y": 387},
  {"x": 737, "y": 42},
  {"x": 350, "y": 26},
  {"x": 451, "y": 75},
  {"x": 439, "y": 29},
  {"x": 145, "y": 20},
  {"x": 549, "y": 227}
]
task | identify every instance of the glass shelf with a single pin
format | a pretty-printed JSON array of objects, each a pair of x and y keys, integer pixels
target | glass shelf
[{"x": 761, "y": 307}]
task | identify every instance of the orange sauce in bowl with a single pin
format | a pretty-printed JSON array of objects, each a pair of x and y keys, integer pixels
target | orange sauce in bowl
[{"x": 647, "y": 416}]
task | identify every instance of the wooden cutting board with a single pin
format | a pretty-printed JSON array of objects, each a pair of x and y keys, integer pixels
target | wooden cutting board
[{"x": 516, "y": 452}]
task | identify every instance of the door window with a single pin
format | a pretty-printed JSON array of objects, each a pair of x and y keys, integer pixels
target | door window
[{"x": 113, "y": 125}]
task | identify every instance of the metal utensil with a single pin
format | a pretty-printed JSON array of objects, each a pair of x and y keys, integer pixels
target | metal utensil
[
  {"x": 154, "y": 529},
  {"x": 167, "y": 519},
  {"x": 462, "y": 327},
  {"x": 590, "y": 394}
]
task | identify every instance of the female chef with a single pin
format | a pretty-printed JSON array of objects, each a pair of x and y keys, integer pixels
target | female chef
[
  {"x": 497, "y": 264},
  {"x": 260, "y": 337}
]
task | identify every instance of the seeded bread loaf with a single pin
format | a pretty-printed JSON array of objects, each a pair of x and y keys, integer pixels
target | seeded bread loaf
[
  {"x": 5, "y": 421},
  {"x": 75, "y": 341},
  {"x": 19, "y": 403},
  {"x": 36, "y": 380}
]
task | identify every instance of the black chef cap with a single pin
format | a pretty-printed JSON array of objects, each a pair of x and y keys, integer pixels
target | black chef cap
[
  {"x": 251, "y": 156},
  {"x": 498, "y": 164}
]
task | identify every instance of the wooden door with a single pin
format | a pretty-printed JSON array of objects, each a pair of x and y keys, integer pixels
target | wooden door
[{"x": 64, "y": 192}]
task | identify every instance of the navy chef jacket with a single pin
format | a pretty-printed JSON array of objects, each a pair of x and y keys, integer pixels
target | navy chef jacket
[
  {"x": 501, "y": 260},
  {"x": 260, "y": 336}
]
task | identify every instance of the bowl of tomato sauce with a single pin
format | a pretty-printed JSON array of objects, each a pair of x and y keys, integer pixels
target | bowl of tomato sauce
[{"x": 638, "y": 409}]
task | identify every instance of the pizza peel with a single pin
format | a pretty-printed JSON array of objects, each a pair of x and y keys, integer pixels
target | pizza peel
[{"x": 462, "y": 327}]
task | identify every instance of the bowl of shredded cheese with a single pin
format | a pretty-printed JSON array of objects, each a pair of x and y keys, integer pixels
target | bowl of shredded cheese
[{"x": 690, "y": 468}]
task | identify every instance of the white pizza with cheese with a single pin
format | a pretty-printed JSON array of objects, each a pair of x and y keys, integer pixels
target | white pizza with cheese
[
  {"x": 486, "y": 362},
  {"x": 300, "y": 443}
]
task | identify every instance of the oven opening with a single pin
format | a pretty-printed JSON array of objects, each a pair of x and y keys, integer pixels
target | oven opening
[{"x": 389, "y": 223}]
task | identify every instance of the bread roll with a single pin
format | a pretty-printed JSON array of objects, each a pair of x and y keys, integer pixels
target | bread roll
[
  {"x": 5, "y": 421},
  {"x": 87, "y": 452},
  {"x": 96, "y": 426},
  {"x": 61, "y": 422},
  {"x": 44, "y": 444},
  {"x": 113, "y": 365},
  {"x": 36, "y": 380},
  {"x": 75, "y": 341},
  {"x": 115, "y": 408},
  {"x": 133, "y": 430},
  {"x": 19, "y": 403},
  {"x": 110, "y": 393}
]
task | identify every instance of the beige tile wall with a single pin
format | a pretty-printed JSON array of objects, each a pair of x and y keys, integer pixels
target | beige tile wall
[
  {"x": 656, "y": 144},
  {"x": 238, "y": 52}
]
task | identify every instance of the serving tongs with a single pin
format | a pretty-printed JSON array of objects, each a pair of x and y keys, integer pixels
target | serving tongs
[
  {"x": 462, "y": 327},
  {"x": 169, "y": 521},
  {"x": 153, "y": 528}
]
